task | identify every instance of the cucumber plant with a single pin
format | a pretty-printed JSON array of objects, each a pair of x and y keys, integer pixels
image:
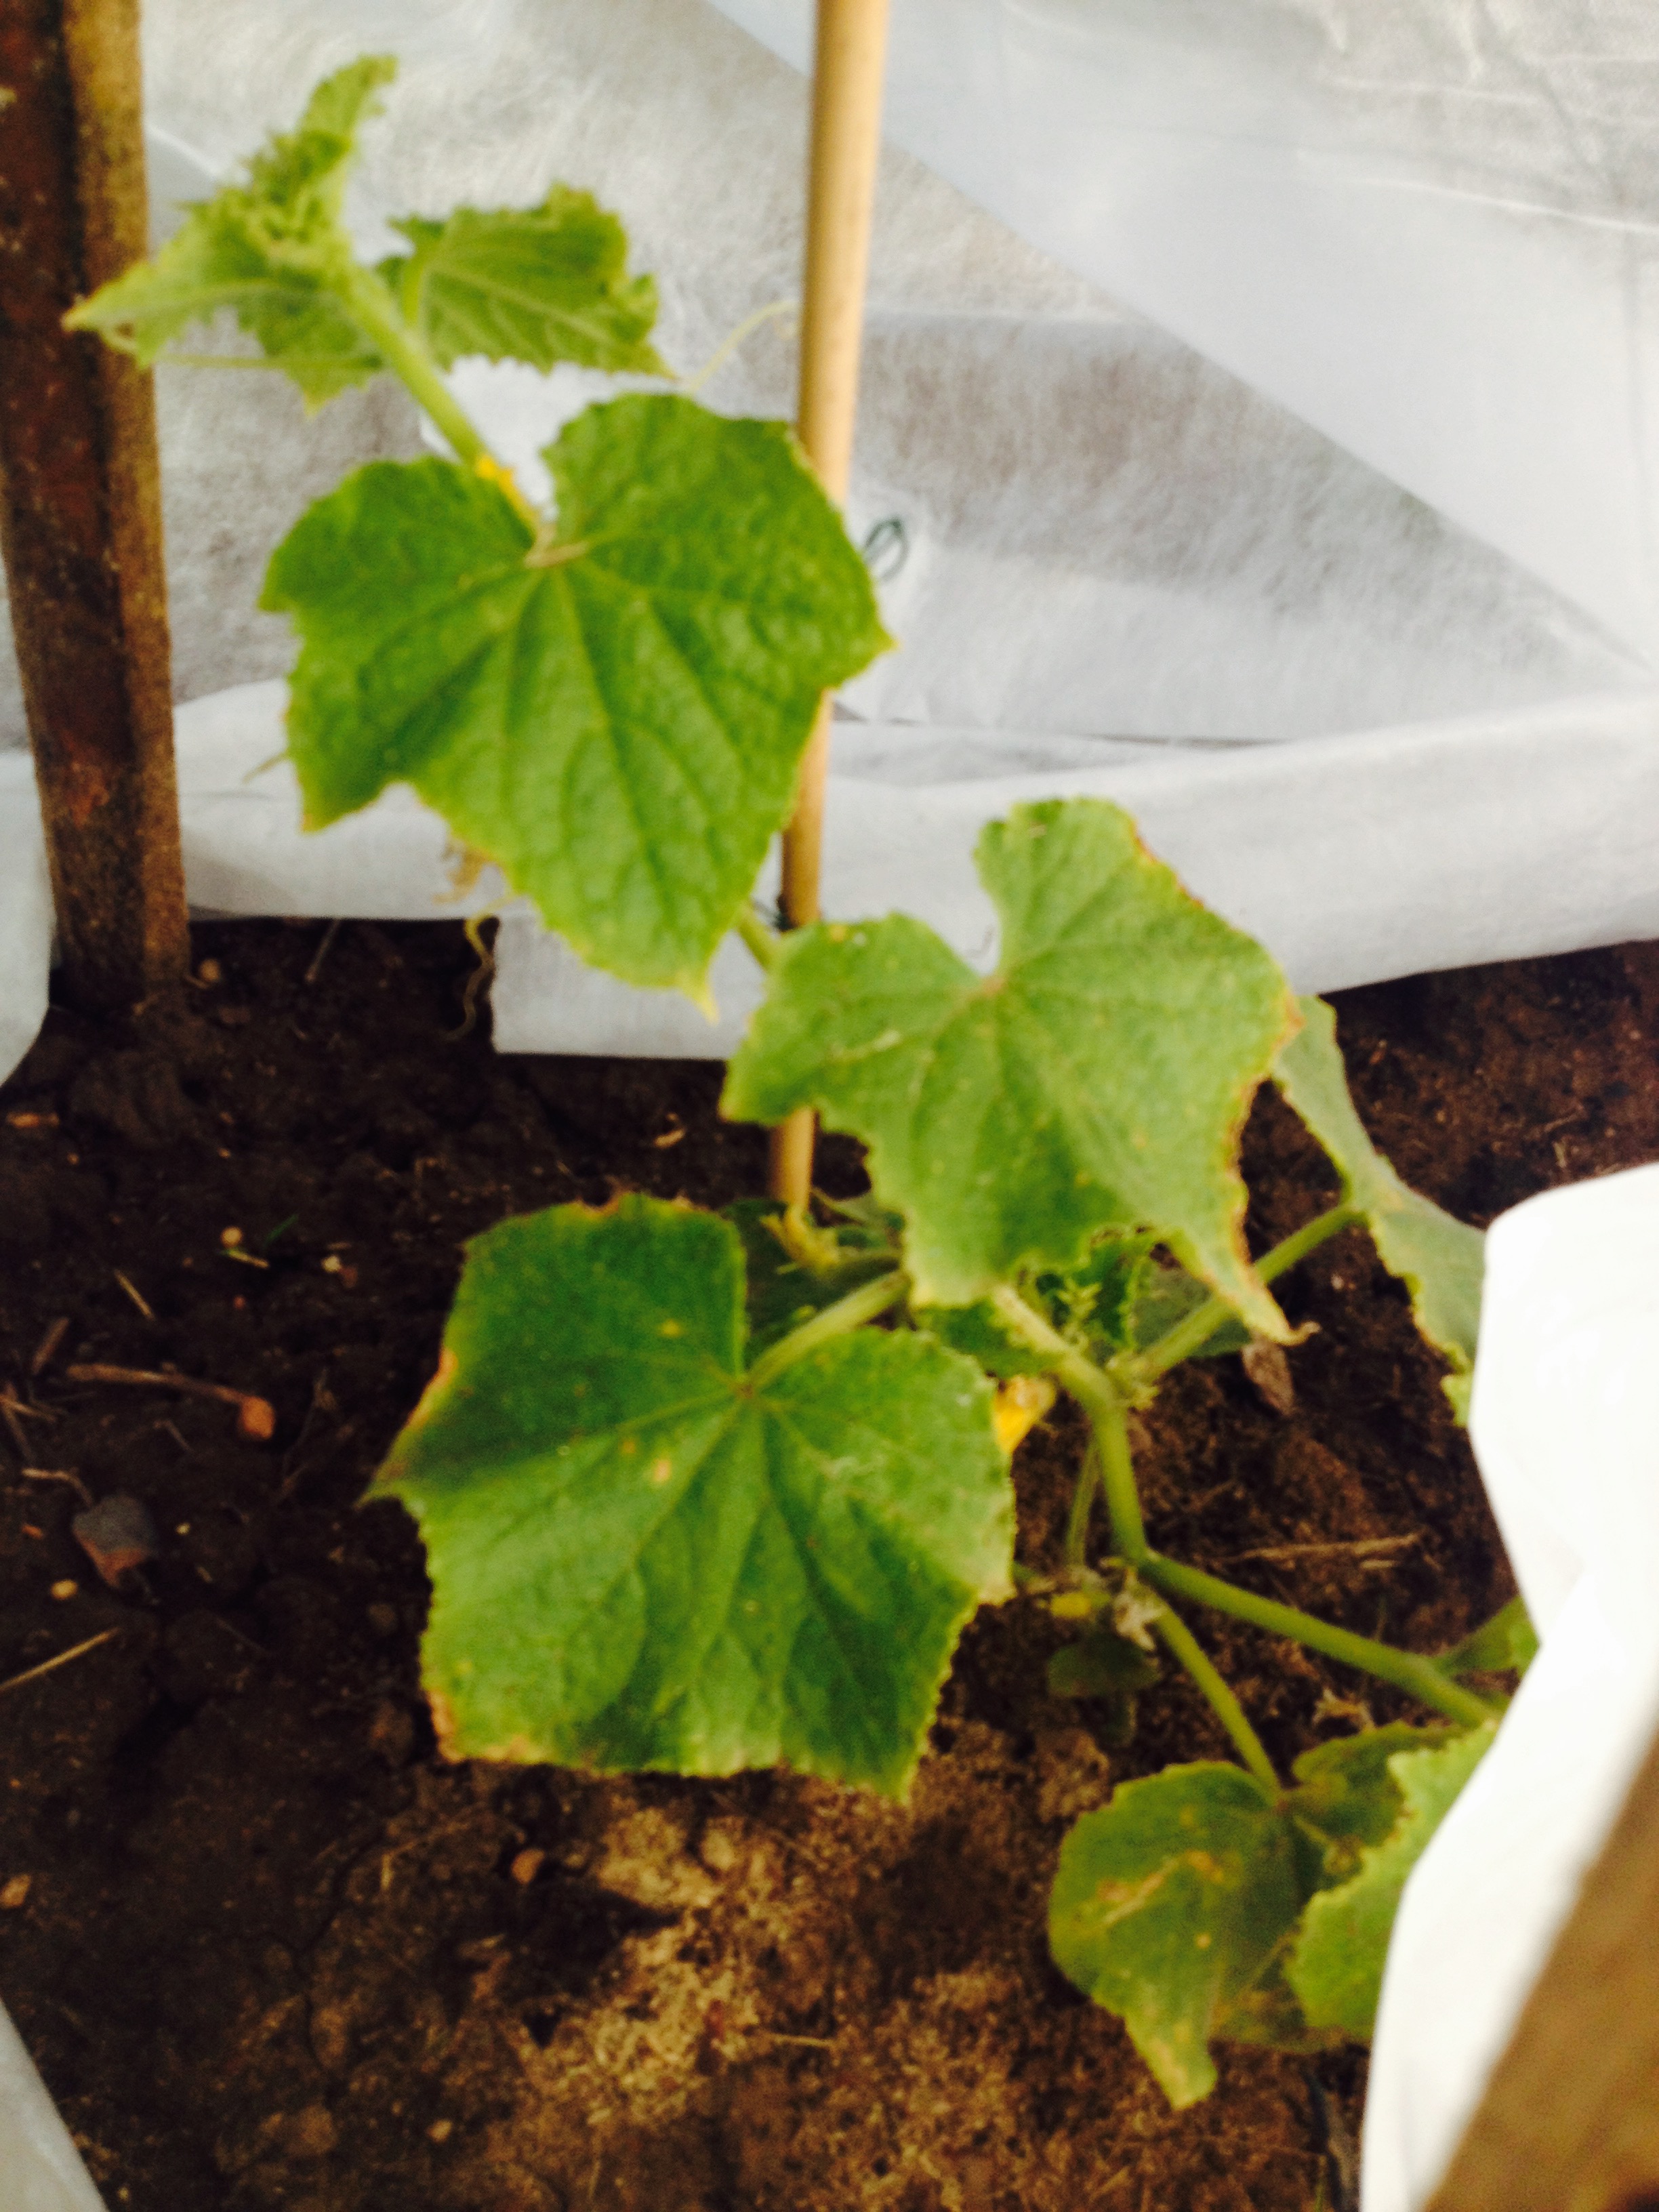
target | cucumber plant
[{"x": 704, "y": 1491}]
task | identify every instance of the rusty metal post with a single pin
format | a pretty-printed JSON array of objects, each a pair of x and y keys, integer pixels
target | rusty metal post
[{"x": 79, "y": 498}]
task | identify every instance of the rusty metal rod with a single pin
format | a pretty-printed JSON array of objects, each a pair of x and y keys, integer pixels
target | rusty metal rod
[{"x": 79, "y": 498}]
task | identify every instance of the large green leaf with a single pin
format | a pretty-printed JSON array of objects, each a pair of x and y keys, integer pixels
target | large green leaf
[
  {"x": 617, "y": 720},
  {"x": 643, "y": 1556},
  {"x": 1336, "y": 1967},
  {"x": 1171, "y": 1907},
  {"x": 271, "y": 251},
  {"x": 1440, "y": 1260},
  {"x": 1099, "y": 1078},
  {"x": 541, "y": 284}
]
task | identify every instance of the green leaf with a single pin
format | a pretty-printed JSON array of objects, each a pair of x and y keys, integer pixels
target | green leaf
[
  {"x": 980, "y": 1333},
  {"x": 1099, "y": 1079},
  {"x": 1336, "y": 1967},
  {"x": 541, "y": 284},
  {"x": 1170, "y": 1908},
  {"x": 1440, "y": 1260},
  {"x": 271, "y": 251},
  {"x": 1348, "y": 1792},
  {"x": 1112, "y": 1671},
  {"x": 1167, "y": 1295},
  {"x": 615, "y": 721},
  {"x": 1101, "y": 1664},
  {"x": 1099, "y": 1299},
  {"x": 642, "y": 1557},
  {"x": 781, "y": 1292},
  {"x": 1506, "y": 1643}
]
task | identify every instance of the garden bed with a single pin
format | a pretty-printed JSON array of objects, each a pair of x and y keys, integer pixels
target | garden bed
[{"x": 272, "y": 1951}]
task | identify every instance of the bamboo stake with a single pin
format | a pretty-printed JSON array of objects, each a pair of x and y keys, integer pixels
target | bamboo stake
[
  {"x": 80, "y": 499},
  {"x": 852, "y": 52}
]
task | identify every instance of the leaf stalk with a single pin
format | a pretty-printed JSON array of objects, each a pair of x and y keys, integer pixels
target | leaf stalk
[
  {"x": 1184, "y": 1647},
  {"x": 1194, "y": 1331},
  {"x": 1417, "y": 1677},
  {"x": 371, "y": 307},
  {"x": 851, "y": 1312}
]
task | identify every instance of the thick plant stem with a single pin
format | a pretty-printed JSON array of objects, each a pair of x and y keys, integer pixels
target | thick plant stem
[
  {"x": 851, "y": 1312},
  {"x": 80, "y": 499},
  {"x": 1184, "y": 1646},
  {"x": 1417, "y": 1677},
  {"x": 851, "y": 56},
  {"x": 1193, "y": 1333},
  {"x": 375, "y": 315}
]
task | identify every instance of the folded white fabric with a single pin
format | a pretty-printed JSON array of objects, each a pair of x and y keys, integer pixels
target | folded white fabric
[
  {"x": 1565, "y": 1426},
  {"x": 40, "y": 2170}
]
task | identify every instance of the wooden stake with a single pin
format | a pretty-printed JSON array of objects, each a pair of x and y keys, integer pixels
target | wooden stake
[
  {"x": 852, "y": 53},
  {"x": 1570, "y": 2121},
  {"x": 79, "y": 498}
]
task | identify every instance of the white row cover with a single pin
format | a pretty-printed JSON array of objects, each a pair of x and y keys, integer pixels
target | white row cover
[{"x": 1565, "y": 1426}]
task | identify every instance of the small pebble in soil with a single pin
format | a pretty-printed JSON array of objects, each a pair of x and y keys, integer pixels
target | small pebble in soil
[
  {"x": 527, "y": 1865},
  {"x": 118, "y": 1536},
  {"x": 440, "y": 2131},
  {"x": 65, "y": 1589},
  {"x": 15, "y": 1892}
]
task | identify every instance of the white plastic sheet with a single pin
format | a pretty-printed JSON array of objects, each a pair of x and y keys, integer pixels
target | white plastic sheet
[
  {"x": 1565, "y": 1425},
  {"x": 1104, "y": 536},
  {"x": 40, "y": 2169}
]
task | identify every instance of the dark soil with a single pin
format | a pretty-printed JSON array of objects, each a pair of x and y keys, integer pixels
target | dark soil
[{"x": 272, "y": 1952}]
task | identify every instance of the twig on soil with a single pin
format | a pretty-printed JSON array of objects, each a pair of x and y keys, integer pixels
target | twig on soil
[
  {"x": 256, "y": 1418},
  {"x": 10, "y": 1410},
  {"x": 1360, "y": 1548},
  {"x": 29, "y": 1412},
  {"x": 60, "y": 1474},
  {"x": 46, "y": 1350},
  {"x": 135, "y": 1294},
  {"x": 323, "y": 950},
  {"x": 48, "y": 1666}
]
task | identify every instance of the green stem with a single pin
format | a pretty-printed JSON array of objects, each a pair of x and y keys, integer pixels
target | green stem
[
  {"x": 1417, "y": 1677},
  {"x": 1185, "y": 1647},
  {"x": 1194, "y": 1331},
  {"x": 1110, "y": 1423},
  {"x": 851, "y": 1312},
  {"x": 404, "y": 352},
  {"x": 765, "y": 944},
  {"x": 1103, "y": 1402},
  {"x": 1100, "y": 1398},
  {"x": 1077, "y": 1522}
]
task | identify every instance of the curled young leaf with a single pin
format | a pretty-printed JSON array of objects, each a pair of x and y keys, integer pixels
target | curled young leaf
[
  {"x": 616, "y": 720},
  {"x": 1336, "y": 1967},
  {"x": 271, "y": 251},
  {"x": 1098, "y": 1080},
  {"x": 1171, "y": 1907},
  {"x": 541, "y": 284},
  {"x": 1441, "y": 1260},
  {"x": 645, "y": 1554}
]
